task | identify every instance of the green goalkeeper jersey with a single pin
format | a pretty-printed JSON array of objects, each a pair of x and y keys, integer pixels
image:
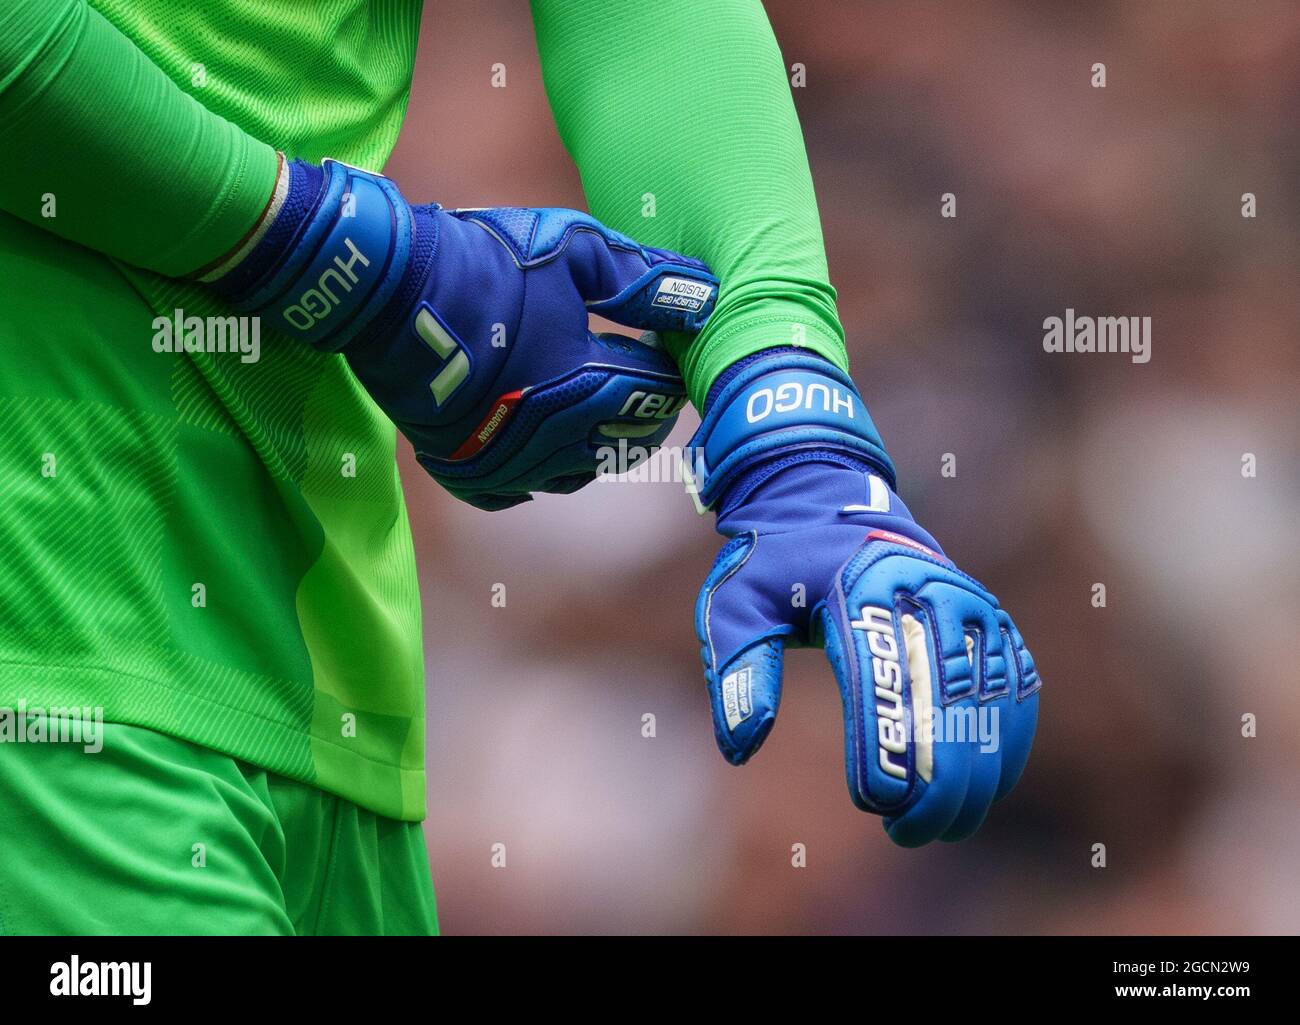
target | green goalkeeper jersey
[{"x": 206, "y": 546}]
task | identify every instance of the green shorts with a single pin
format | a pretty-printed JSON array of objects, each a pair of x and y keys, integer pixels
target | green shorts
[{"x": 154, "y": 835}]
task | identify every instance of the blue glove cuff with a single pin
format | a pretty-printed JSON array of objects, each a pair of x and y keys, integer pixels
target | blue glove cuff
[
  {"x": 345, "y": 263},
  {"x": 774, "y": 408}
]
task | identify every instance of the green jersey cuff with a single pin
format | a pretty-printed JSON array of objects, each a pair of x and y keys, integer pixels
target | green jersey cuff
[{"x": 702, "y": 359}]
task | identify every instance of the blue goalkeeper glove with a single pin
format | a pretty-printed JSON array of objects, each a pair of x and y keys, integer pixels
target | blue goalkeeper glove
[
  {"x": 940, "y": 695},
  {"x": 469, "y": 327}
]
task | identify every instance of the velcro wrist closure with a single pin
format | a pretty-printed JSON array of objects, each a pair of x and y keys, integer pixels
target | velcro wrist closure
[
  {"x": 344, "y": 266},
  {"x": 777, "y": 407}
]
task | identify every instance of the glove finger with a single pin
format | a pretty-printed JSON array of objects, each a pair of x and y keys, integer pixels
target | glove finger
[
  {"x": 644, "y": 399},
  {"x": 885, "y": 662},
  {"x": 568, "y": 484},
  {"x": 978, "y": 722},
  {"x": 644, "y": 354},
  {"x": 935, "y": 812},
  {"x": 491, "y": 502},
  {"x": 1021, "y": 717},
  {"x": 645, "y": 389},
  {"x": 981, "y": 783},
  {"x": 953, "y": 641},
  {"x": 608, "y": 411},
  {"x": 495, "y": 503},
  {"x": 905, "y": 634}
]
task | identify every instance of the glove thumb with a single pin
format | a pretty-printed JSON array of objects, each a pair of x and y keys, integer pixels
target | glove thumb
[
  {"x": 614, "y": 275},
  {"x": 745, "y": 696},
  {"x": 634, "y": 285},
  {"x": 742, "y": 647}
]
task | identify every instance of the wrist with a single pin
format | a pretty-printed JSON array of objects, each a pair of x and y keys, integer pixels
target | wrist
[
  {"x": 746, "y": 324},
  {"x": 333, "y": 250},
  {"x": 218, "y": 269},
  {"x": 774, "y": 407}
]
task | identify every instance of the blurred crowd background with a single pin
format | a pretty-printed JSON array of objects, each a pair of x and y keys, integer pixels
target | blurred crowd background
[{"x": 1071, "y": 470}]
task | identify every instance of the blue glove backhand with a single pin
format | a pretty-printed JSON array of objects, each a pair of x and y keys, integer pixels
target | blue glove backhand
[
  {"x": 469, "y": 327},
  {"x": 940, "y": 694}
]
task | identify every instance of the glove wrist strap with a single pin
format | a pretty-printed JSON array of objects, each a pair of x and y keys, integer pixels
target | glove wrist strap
[
  {"x": 775, "y": 408},
  {"x": 332, "y": 273}
]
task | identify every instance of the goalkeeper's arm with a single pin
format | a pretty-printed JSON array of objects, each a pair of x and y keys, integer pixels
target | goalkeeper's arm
[
  {"x": 105, "y": 150},
  {"x": 680, "y": 119}
]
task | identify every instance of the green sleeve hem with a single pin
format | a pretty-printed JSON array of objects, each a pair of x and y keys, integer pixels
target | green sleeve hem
[
  {"x": 243, "y": 197},
  {"x": 702, "y": 359}
]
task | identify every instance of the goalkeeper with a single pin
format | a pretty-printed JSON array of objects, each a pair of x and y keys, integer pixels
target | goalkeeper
[{"x": 211, "y": 549}]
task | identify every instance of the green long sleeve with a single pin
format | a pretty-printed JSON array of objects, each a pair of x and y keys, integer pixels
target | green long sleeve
[
  {"x": 105, "y": 150},
  {"x": 680, "y": 119}
]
